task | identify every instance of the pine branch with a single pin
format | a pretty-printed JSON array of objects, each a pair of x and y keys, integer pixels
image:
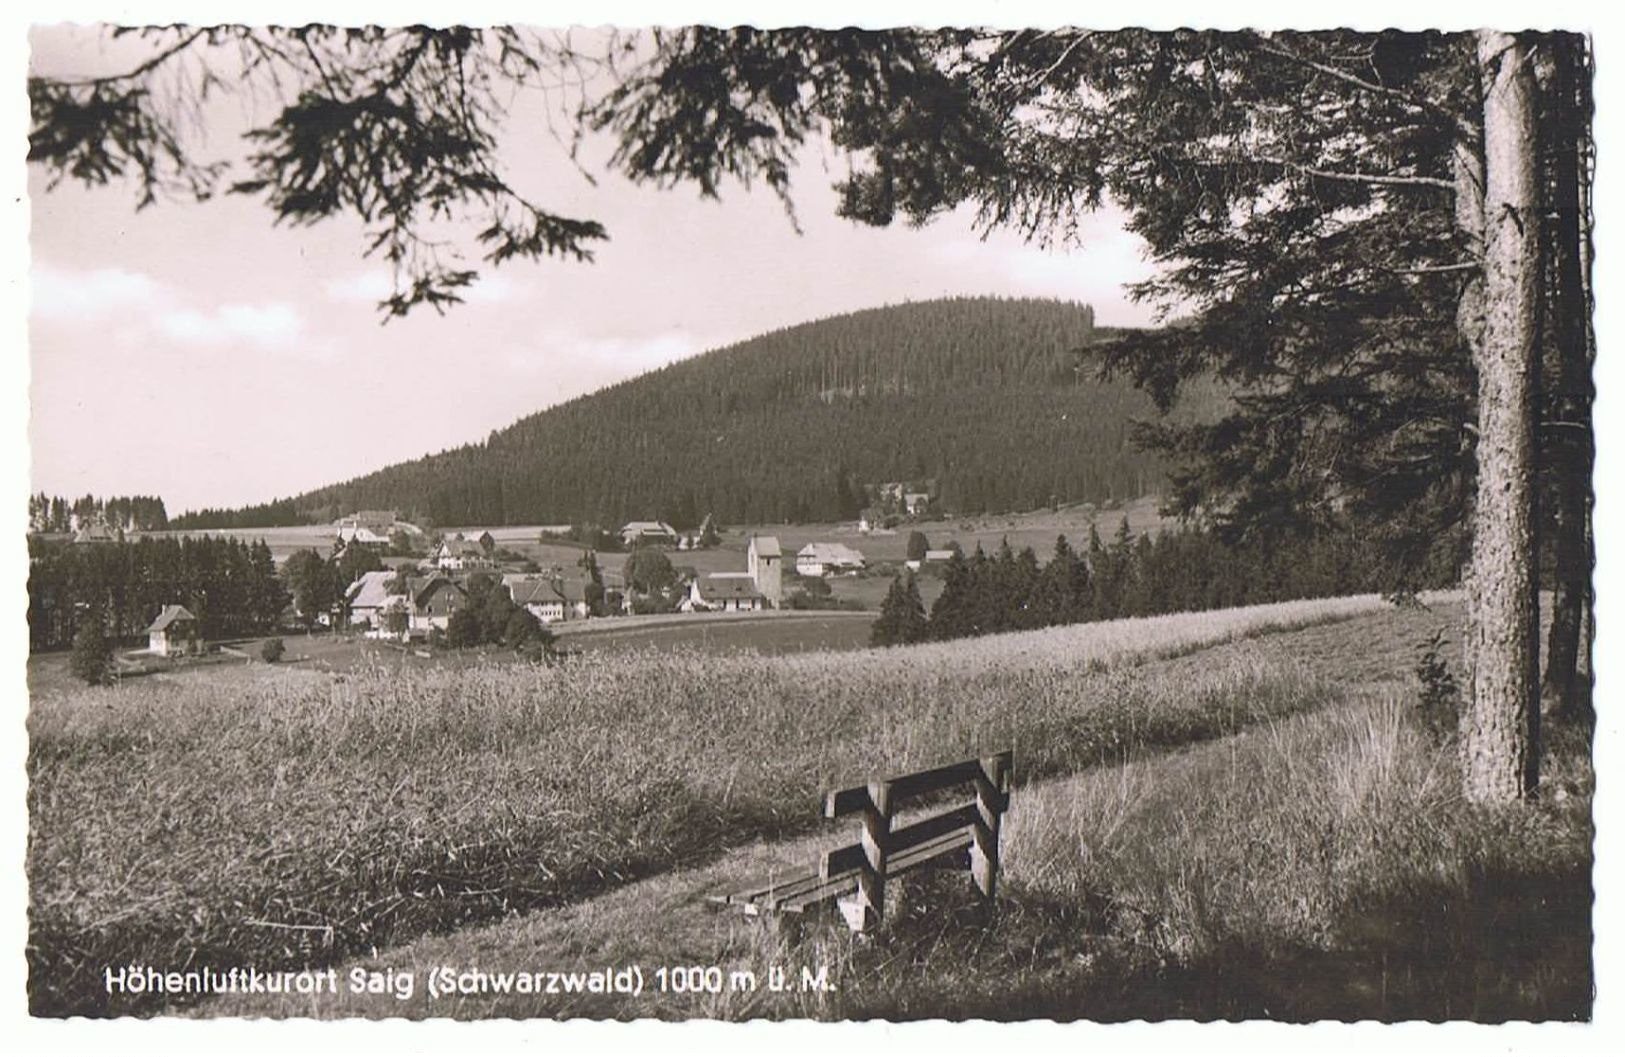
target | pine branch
[
  {"x": 1463, "y": 127},
  {"x": 137, "y": 72},
  {"x": 1363, "y": 178}
]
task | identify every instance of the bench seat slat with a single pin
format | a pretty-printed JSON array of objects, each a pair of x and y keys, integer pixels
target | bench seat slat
[
  {"x": 777, "y": 891},
  {"x": 794, "y": 895}
]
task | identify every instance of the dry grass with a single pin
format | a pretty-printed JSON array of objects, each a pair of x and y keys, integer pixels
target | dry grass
[
  {"x": 286, "y": 821},
  {"x": 1320, "y": 867},
  {"x": 1315, "y": 867}
]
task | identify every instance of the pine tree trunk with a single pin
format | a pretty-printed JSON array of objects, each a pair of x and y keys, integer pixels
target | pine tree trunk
[
  {"x": 1500, "y": 719},
  {"x": 1565, "y": 691}
]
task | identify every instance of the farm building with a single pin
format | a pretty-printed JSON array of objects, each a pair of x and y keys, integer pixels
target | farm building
[
  {"x": 916, "y": 502},
  {"x": 94, "y": 532},
  {"x": 369, "y": 597},
  {"x": 642, "y": 533},
  {"x": 765, "y": 563},
  {"x": 456, "y": 553},
  {"x": 549, "y": 599},
  {"x": 723, "y": 592},
  {"x": 932, "y": 557},
  {"x": 369, "y": 527},
  {"x": 431, "y": 601},
  {"x": 174, "y": 632},
  {"x": 827, "y": 559}
]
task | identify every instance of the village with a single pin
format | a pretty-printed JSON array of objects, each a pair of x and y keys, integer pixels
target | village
[
  {"x": 418, "y": 600},
  {"x": 399, "y": 584}
]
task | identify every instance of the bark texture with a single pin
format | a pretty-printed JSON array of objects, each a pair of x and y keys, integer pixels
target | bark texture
[{"x": 1500, "y": 719}]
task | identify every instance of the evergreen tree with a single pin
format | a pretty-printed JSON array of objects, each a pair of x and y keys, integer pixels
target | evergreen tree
[
  {"x": 1054, "y": 598},
  {"x": 902, "y": 615},
  {"x": 92, "y": 658}
]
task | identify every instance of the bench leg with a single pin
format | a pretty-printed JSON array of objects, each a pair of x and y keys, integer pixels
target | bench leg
[
  {"x": 868, "y": 906},
  {"x": 992, "y": 787},
  {"x": 788, "y": 929},
  {"x": 862, "y": 909}
]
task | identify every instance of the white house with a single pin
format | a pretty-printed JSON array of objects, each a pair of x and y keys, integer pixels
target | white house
[
  {"x": 825, "y": 559},
  {"x": 370, "y": 527},
  {"x": 174, "y": 631},
  {"x": 548, "y": 599},
  {"x": 723, "y": 592},
  {"x": 456, "y": 553}
]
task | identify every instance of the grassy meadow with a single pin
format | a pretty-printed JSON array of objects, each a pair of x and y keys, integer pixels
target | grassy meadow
[
  {"x": 1319, "y": 866},
  {"x": 294, "y": 818}
]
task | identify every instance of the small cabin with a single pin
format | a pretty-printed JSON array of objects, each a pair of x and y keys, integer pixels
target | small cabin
[{"x": 175, "y": 632}]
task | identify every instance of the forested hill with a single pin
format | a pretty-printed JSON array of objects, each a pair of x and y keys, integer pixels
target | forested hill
[{"x": 989, "y": 399}]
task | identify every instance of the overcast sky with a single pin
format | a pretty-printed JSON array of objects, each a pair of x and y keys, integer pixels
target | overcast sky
[{"x": 199, "y": 353}]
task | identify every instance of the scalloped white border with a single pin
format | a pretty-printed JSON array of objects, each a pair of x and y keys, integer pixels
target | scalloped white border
[{"x": 21, "y": 1034}]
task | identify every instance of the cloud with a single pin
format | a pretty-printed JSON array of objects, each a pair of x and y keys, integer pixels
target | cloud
[
  {"x": 492, "y": 287},
  {"x": 273, "y": 326},
  {"x": 91, "y": 295},
  {"x": 125, "y": 306},
  {"x": 361, "y": 286}
]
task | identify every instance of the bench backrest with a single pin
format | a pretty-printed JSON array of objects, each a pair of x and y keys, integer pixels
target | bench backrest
[{"x": 988, "y": 779}]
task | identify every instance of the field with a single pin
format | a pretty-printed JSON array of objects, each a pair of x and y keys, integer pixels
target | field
[
  {"x": 352, "y": 813},
  {"x": 774, "y": 632}
]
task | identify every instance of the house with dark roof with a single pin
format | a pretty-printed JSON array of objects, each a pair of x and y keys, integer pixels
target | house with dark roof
[
  {"x": 549, "y": 599},
  {"x": 825, "y": 559},
  {"x": 723, "y": 592},
  {"x": 94, "y": 532},
  {"x": 174, "y": 632},
  {"x": 431, "y": 600}
]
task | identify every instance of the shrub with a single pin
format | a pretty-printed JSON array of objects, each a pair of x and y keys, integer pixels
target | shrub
[
  {"x": 523, "y": 628},
  {"x": 1437, "y": 703},
  {"x": 463, "y": 629},
  {"x": 272, "y": 650}
]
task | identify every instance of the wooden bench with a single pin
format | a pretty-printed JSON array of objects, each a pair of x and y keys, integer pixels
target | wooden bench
[{"x": 965, "y": 836}]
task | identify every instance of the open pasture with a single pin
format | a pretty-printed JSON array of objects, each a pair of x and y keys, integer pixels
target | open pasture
[
  {"x": 293, "y": 819},
  {"x": 772, "y": 633}
]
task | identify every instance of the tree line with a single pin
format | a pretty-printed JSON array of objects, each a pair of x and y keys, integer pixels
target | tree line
[
  {"x": 262, "y": 515},
  {"x": 53, "y": 513},
  {"x": 232, "y": 587},
  {"x": 1173, "y": 571}
]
